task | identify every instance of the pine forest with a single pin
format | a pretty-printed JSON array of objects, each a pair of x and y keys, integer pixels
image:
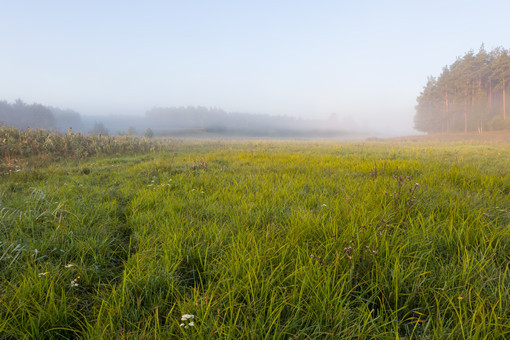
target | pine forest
[{"x": 470, "y": 95}]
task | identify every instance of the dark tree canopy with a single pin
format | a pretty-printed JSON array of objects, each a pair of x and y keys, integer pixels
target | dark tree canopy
[{"x": 469, "y": 95}]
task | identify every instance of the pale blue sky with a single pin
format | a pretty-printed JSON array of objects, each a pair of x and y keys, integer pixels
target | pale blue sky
[{"x": 364, "y": 59}]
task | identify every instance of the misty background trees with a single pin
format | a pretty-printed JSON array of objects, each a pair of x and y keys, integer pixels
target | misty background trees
[
  {"x": 469, "y": 95},
  {"x": 170, "y": 121},
  {"x": 22, "y": 115}
]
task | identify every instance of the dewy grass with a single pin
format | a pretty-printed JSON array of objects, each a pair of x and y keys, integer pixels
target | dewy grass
[{"x": 260, "y": 239}]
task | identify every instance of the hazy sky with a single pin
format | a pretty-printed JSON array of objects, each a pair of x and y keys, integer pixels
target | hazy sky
[{"x": 364, "y": 59}]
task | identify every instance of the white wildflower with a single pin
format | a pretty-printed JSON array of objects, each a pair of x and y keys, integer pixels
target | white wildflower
[
  {"x": 74, "y": 283},
  {"x": 188, "y": 318}
]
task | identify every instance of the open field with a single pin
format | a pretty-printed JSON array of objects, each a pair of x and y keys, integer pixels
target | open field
[{"x": 259, "y": 239}]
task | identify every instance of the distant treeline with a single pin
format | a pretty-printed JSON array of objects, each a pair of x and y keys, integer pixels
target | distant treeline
[
  {"x": 211, "y": 120},
  {"x": 469, "y": 95},
  {"x": 173, "y": 121},
  {"x": 22, "y": 116}
]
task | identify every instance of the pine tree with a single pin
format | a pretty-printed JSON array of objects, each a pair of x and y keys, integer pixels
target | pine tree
[{"x": 469, "y": 95}]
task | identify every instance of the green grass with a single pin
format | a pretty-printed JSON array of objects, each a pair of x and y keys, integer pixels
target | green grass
[{"x": 260, "y": 239}]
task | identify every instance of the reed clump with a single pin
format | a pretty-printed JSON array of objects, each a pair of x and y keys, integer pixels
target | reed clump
[{"x": 16, "y": 143}]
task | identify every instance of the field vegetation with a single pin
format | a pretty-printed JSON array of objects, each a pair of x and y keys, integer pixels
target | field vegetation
[{"x": 257, "y": 239}]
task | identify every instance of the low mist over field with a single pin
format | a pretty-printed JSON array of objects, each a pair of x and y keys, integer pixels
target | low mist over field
[
  {"x": 180, "y": 121},
  {"x": 290, "y": 68}
]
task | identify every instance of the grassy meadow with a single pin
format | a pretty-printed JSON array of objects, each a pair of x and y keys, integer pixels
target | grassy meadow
[{"x": 258, "y": 240}]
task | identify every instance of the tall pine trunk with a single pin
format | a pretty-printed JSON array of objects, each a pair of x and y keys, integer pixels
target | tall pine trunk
[
  {"x": 447, "y": 111},
  {"x": 504, "y": 99},
  {"x": 490, "y": 96},
  {"x": 466, "y": 108}
]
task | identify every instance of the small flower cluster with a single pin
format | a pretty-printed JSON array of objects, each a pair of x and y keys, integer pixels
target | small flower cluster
[
  {"x": 317, "y": 258},
  {"x": 189, "y": 319},
  {"x": 350, "y": 251},
  {"x": 402, "y": 180},
  {"x": 10, "y": 167},
  {"x": 381, "y": 228},
  {"x": 160, "y": 185},
  {"x": 155, "y": 182},
  {"x": 373, "y": 252},
  {"x": 74, "y": 283}
]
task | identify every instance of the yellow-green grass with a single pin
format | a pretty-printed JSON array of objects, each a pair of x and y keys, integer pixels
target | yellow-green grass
[{"x": 260, "y": 239}]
